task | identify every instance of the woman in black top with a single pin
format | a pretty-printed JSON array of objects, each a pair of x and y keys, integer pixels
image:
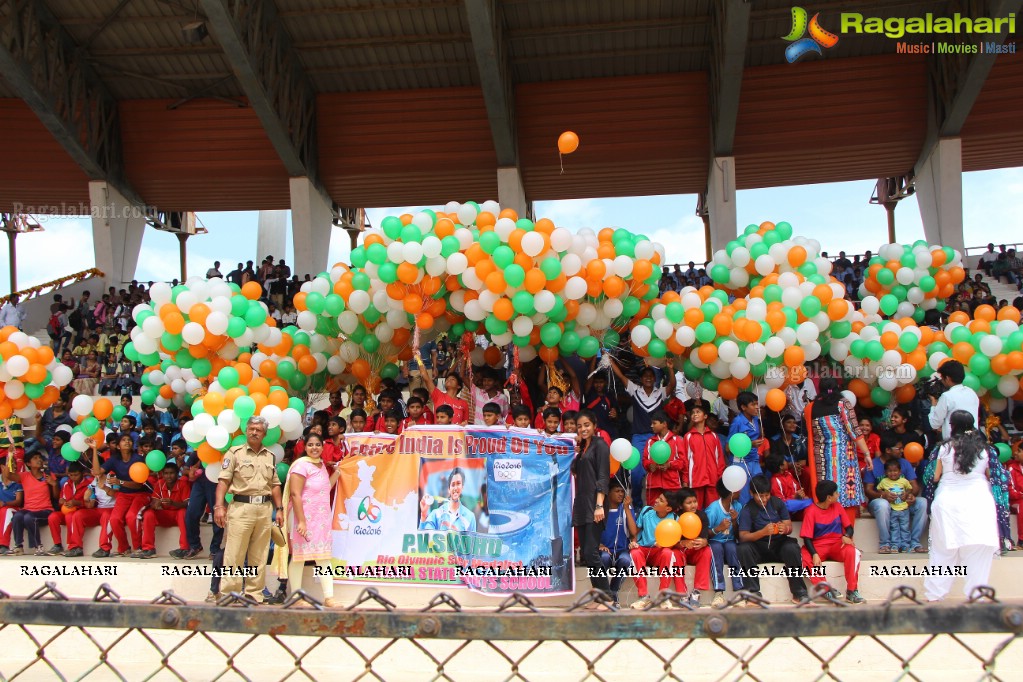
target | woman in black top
[{"x": 592, "y": 470}]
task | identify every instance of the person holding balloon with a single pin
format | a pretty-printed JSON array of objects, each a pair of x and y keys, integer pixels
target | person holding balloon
[
  {"x": 722, "y": 519},
  {"x": 133, "y": 494},
  {"x": 694, "y": 545},
  {"x": 168, "y": 507},
  {"x": 654, "y": 543},
  {"x": 663, "y": 460},
  {"x": 745, "y": 436},
  {"x": 764, "y": 527}
]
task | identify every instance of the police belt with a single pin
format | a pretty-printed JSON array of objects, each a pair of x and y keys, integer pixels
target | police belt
[{"x": 253, "y": 499}]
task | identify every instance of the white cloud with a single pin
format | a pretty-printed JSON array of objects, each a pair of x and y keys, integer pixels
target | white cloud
[
  {"x": 573, "y": 213},
  {"x": 63, "y": 248}
]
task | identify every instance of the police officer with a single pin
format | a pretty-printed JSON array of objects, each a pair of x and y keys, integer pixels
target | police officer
[{"x": 249, "y": 474}]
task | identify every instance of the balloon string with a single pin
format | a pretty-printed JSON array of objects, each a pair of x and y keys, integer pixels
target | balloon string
[{"x": 561, "y": 160}]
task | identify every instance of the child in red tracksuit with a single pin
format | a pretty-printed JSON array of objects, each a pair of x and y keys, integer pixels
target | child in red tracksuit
[
  {"x": 701, "y": 447},
  {"x": 645, "y": 550},
  {"x": 166, "y": 509},
  {"x": 827, "y": 535},
  {"x": 1015, "y": 469},
  {"x": 695, "y": 552},
  {"x": 72, "y": 500},
  {"x": 663, "y": 478}
]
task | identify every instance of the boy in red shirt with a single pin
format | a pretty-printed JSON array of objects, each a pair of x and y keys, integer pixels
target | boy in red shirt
[
  {"x": 662, "y": 478},
  {"x": 166, "y": 509},
  {"x": 701, "y": 447},
  {"x": 72, "y": 500},
  {"x": 785, "y": 486},
  {"x": 416, "y": 413},
  {"x": 828, "y": 535}
]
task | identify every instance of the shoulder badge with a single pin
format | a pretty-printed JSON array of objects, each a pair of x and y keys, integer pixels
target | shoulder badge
[{"x": 226, "y": 462}]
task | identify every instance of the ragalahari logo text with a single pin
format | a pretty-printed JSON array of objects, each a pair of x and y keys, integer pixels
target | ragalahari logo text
[
  {"x": 368, "y": 511},
  {"x": 802, "y": 44}
]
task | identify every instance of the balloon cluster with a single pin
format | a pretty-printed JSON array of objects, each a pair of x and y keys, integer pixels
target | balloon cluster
[
  {"x": 30, "y": 376},
  {"x": 906, "y": 280}
]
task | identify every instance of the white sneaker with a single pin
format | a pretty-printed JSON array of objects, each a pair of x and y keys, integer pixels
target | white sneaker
[{"x": 641, "y": 603}]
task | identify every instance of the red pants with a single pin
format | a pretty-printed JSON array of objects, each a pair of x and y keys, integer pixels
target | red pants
[
  {"x": 6, "y": 525},
  {"x": 125, "y": 512},
  {"x": 852, "y": 513},
  {"x": 165, "y": 518},
  {"x": 705, "y": 495},
  {"x": 661, "y": 558},
  {"x": 701, "y": 559},
  {"x": 84, "y": 518},
  {"x": 54, "y": 521},
  {"x": 831, "y": 548}
]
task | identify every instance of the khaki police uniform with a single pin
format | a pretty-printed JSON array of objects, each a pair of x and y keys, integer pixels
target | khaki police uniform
[{"x": 250, "y": 477}]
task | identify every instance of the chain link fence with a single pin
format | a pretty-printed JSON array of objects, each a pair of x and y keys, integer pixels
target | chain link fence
[{"x": 47, "y": 636}]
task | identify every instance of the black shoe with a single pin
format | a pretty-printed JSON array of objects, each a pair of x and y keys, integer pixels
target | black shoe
[
  {"x": 101, "y": 554},
  {"x": 833, "y": 596},
  {"x": 854, "y": 597},
  {"x": 278, "y": 597},
  {"x": 73, "y": 552},
  {"x": 55, "y": 550},
  {"x": 178, "y": 553},
  {"x": 146, "y": 553}
]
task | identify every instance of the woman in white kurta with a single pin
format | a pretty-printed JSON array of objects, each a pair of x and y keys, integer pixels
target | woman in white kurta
[{"x": 964, "y": 529}]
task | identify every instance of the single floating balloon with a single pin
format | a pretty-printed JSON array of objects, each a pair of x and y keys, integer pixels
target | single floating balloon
[{"x": 568, "y": 142}]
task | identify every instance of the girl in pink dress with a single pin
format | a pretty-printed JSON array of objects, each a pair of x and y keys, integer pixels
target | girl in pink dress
[{"x": 307, "y": 500}]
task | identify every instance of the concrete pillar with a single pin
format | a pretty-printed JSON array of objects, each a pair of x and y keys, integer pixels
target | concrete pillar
[
  {"x": 721, "y": 201},
  {"x": 311, "y": 222},
  {"x": 117, "y": 227},
  {"x": 939, "y": 193},
  {"x": 510, "y": 193},
  {"x": 271, "y": 238}
]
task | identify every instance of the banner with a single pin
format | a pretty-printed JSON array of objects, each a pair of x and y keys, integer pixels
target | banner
[{"x": 485, "y": 508}]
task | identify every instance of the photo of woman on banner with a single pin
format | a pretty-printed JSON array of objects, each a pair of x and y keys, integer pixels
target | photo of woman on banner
[{"x": 451, "y": 509}]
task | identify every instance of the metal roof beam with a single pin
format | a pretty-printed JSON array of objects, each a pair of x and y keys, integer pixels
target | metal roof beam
[
  {"x": 44, "y": 66},
  {"x": 955, "y": 82},
  {"x": 729, "y": 37},
  {"x": 260, "y": 53},
  {"x": 495, "y": 77}
]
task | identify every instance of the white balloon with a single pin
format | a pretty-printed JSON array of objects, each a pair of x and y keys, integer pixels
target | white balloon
[
  {"x": 621, "y": 448},
  {"x": 990, "y": 345},
  {"x": 216, "y": 322},
  {"x": 278, "y": 452},
  {"x": 587, "y": 314},
  {"x": 62, "y": 376},
  {"x": 613, "y": 308},
  {"x": 544, "y": 301},
  {"x": 904, "y": 275},
  {"x": 291, "y": 419},
  {"x": 272, "y": 414},
  {"x": 307, "y": 320},
  {"x": 217, "y": 437},
  {"x": 457, "y": 263},
  {"x": 756, "y": 353},
  {"x": 663, "y": 329},
  {"x": 764, "y": 265},
  {"x": 202, "y": 423},
  {"x": 185, "y": 301},
  {"x": 82, "y": 404},
  {"x": 1008, "y": 386},
  {"x": 522, "y": 325},
  {"x": 14, "y": 389},
  {"x": 728, "y": 351},
  {"x": 571, "y": 264},
  {"x": 17, "y": 365},
  {"x": 686, "y": 336},
  {"x": 193, "y": 333},
  {"x": 807, "y": 333},
  {"x": 160, "y": 293},
  {"x": 358, "y": 302},
  {"x": 734, "y": 478},
  {"x": 153, "y": 327},
  {"x": 775, "y": 346},
  {"x": 561, "y": 240},
  {"x": 740, "y": 256},
  {"x": 622, "y": 266},
  {"x": 645, "y": 249},
  {"x": 412, "y": 252},
  {"x": 467, "y": 214},
  {"x": 212, "y": 472},
  {"x": 77, "y": 441},
  {"x": 641, "y": 335},
  {"x": 532, "y": 244},
  {"x": 739, "y": 368},
  {"x": 575, "y": 288},
  {"x": 870, "y": 305}
]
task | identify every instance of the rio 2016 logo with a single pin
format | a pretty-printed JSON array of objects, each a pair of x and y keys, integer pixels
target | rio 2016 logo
[
  {"x": 801, "y": 46},
  {"x": 368, "y": 511}
]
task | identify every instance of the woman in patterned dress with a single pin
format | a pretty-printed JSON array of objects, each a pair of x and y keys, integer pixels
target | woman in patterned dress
[
  {"x": 307, "y": 506},
  {"x": 833, "y": 436}
]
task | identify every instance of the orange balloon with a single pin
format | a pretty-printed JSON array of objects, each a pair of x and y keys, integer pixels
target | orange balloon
[
  {"x": 102, "y": 408},
  {"x": 495, "y": 282},
  {"x": 691, "y": 525},
  {"x": 503, "y": 309},
  {"x": 776, "y": 399},
  {"x": 905, "y": 394},
  {"x": 797, "y": 256},
  {"x": 307, "y": 365},
  {"x": 360, "y": 369},
  {"x": 548, "y": 355},
  {"x": 408, "y": 273},
  {"x": 413, "y": 303},
  {"x": 962, "y": 351},
  {"x": 984, "y": 312},
  {"x": 596, "y": 269},
  {"x": 207, "y": 454},
  {"x": 838, "y": 308},
  {"x": 1006, "y": 313},
  {"x": 914, "y": 452},
  {"x": 889, "y": 340},
  {"x": 615, "y": 466},
  {"x": 794, "y": 356},
  {"x": 536, "y": 281},
  {"x": 606, "y": 235},
  {"x": 723, "y": 324},
  {"x": 278, "y": 398},
  {"x": 199, "y": 312},
  {"x": 424, "y": 321},
  {"x": 668, "y": 532},
  {"x": 642, "y": 269},
  {"x": 492, "y": 355},
  {"x": 259, "y": 385},
  {"x": 693, "y": 317},
  {"x": 568, "y": 142},
  {"x": 36, "y": 374},
  {"x": 727, "y": 389},
  {"x": 708, "y": 353},
  {"x": 605, "y": 250},
  {"x": 138, "y": 472},
  {"x": 614, "y": 286},
  {"x": 252, "y": 291}
]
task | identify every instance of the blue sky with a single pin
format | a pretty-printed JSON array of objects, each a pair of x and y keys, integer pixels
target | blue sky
[{"x": 838, "y": 215}]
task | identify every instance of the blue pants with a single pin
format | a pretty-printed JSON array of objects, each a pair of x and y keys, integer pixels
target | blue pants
[
  {"x": 25, "y": 520},
  {"x": 621, "y": 562},
  {"x": 725, "y": 553},
  {"x": 639, "y": 473},
  {"x": 881, "y": 511},
  {"x": 203, "y": 494},
  {"x": 898, "y": 526}
]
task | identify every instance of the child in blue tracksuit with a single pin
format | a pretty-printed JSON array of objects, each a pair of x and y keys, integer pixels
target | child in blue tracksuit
[
  {"x": 747, "y": 422},
  {"x": 619, "y": 527},
  {"x": 722, "y": 516}
]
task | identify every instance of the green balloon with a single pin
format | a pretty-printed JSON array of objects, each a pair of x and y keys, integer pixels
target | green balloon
[
  {"x": 503, "y": 257},
  {"x": 202, "y": 367},
  {"x": 171, "y": 342},
  {"x": 286, "y": 369},
  {"x": 495, "y": 326},
  {"x": 633, "y": 461},
  {"x": 550, "y": 334},
  {"x": 244, "y": 407},
  {"x": 514, "y": 275},
  {"x": 130, "y": 352},
  {"x": 371, "y": 344},
  {"x": 1004, "y": 452},
  {"x": 235, "y": 327},
  {"x": 315, "y": 302},
  {"x": 772, "y": 293},
  {"x": 611, "y": 339},
  {"x": 971, "y": 381},
  {"x": 705, "y": 332},
  {"x": 783, "y": 229},
  {"x": 771, "y": 238},
  {"x": 411, "y": 233},
  {"x": 875, "y": 351},
  {"x": 335, "y": 305},
  {"x": 719, "y": 273},
  {"x": 740, "y": 445},
  {"x": 391, "y": 225},
  {"x": 657, "y": 348},
  {"x": 228, "y": 377},
  {"x": 377, "y": 254},
  {"x": 149, "y": 396},
  {"x": 524, "y": 224},
  {"x": 810, "y": 306},
  {"x": 889, "y": 304},
  {"x": 255, "y": 315},
  {"x": 239, "y": 304},
  {"x": 630, "y": 306},
  {"x": 885, "y": 276},
  {"x": 523, "y": 303},
  {"x": 589, "y": 346},
  {"x": 69, "y": 453},
  {"x": 282, "y": 471},
  {"x": 880, "y": 396},
  {"x": 674, "y": 312},
  {"x": 156, "y": 460},
  {"x": 359, "y": 257},
  {"x": 119, "y": 413},
  {"x": 489, "y": 241},
  {"x": 927, "y": 283},
  {"x": 272, "y": 436},
  {"x": 980, "y": 365},
  {"x": 449, "y": 245},
  {"x": 569, "y": 343},
  {"x": 660, "y": 452},
  {"x": 908, "y": 342},
  {"x": 35, "y": 391},
  {"x": 841, "y": 329}
]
